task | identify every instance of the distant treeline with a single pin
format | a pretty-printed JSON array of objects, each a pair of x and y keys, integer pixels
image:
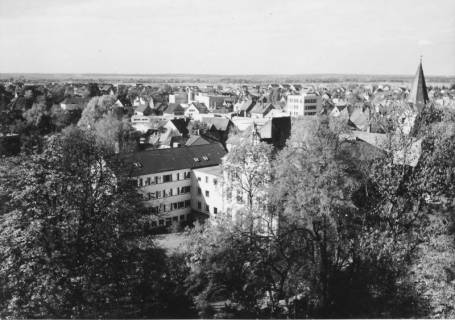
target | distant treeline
[{"x": 196, "y": 78}]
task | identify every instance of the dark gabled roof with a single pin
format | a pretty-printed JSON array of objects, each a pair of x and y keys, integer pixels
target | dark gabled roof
[
  {"x": 175, "y": 109},
  {"x": 201, "y": 107},
  {"x": 262, "y": 108},
  {"x": 188, "y": 157},
  {"x": 246, "y": 105},
  {"x": 196, "y": 141},
  {"x": 181, "y": 125},
  {"x": 219, "y": 123}
]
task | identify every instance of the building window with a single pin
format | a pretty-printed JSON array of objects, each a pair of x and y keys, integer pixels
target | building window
[
  {"x": 175, "y": 219},
  {"x": 178, "y": 176},
  {"x": 158, "y": 194},
  {"x": 215, "y": 210},
  {"x": 198, "y": 178},
  {"x": 215, "y": 182},
  {"x": 199, "y": 192},
  {"x": 157, "y": 180},
  {"x": 153, "y": 223},
  {"x": 207, "y": 193},
  {"x": 188, "y": 175},
  {"x": 182, "y": 217},
  {"x": 199, "y": 206},
  {"x": 147, "y": 182},
  {"x": 167, "y": 178},
  {"x": 207, "y": 208},
  {"x": 140, "y": 182},
  {"x": 206, "y": 179},
  {"x": 168, "y": 221},
  {"x": 187, "y": 203},
  {"x": 161, "y": 222}
]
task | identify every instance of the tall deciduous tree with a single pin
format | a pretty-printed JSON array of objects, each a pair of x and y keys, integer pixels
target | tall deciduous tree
[{"x": 66, "y": 234}]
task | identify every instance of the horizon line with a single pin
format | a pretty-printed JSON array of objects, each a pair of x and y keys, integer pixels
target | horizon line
[{"x": 223, "y": 74}]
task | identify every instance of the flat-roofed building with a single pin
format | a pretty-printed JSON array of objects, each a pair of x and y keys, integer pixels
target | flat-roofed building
[{"x": 303, "y": 105}]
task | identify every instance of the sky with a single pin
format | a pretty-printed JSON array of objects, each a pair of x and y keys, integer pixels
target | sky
[{"x": 227, "y": 37}]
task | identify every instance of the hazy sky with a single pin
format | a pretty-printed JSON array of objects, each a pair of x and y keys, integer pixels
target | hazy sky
[{"x": 227, "y": 37}]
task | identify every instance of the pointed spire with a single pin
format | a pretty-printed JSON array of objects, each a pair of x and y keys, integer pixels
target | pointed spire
[{"x": 419, "y": 95}]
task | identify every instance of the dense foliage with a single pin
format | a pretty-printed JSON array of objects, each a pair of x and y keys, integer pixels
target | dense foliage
[
  {"x": 70, "y": 237},
  {"x": 356, "y": 238}
]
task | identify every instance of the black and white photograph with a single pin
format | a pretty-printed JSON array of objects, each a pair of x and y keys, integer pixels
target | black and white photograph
[{"x": 240, "y": 159}]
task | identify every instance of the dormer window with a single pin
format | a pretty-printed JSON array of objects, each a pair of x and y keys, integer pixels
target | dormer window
[
  {"x": 196, "y": 159},
  {"x": 205, "y": 158}
]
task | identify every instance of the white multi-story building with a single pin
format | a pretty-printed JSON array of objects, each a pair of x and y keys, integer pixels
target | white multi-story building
[
  {"x": 207, "y": 191},
  {"x": 304, "y": 105},
  {"x": 169, "y": 181}
]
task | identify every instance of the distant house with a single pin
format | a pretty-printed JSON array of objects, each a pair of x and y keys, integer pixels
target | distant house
[
  {"x": 219, "y": 128},
  {"x": 174, "y": 109},
  {"x": 107, "y": 89},
  {"x": 260, "y": 109},
  {"x": 244, "y": 106},
  {"x": 179, "y": 97},
  {"x": 196, "y": 141},
  {"x": 196, "y": 110},
  {"x": 274, "y": 131},
  {"x": 143, "y": 110},
  {"x": 211, "y": 101},
  {"x": 146, "y": 123},
  {"x": 304, "y": 105},
  {"x": 72, "y": 103},
  {"x": 276, "y": 113}
]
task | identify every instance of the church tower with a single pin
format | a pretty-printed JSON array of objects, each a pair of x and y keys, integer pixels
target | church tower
[{"x": 418, "y": 97}]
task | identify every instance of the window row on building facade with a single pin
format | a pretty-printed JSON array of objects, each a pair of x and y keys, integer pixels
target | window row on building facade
[
  {"x": 215, "y": 181},
  {"x": 146, "y": 181},
  {"x": 168, "y": 221},
  {"x": 167, "y": 193},
  {"x": 170, "y": 207}
]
